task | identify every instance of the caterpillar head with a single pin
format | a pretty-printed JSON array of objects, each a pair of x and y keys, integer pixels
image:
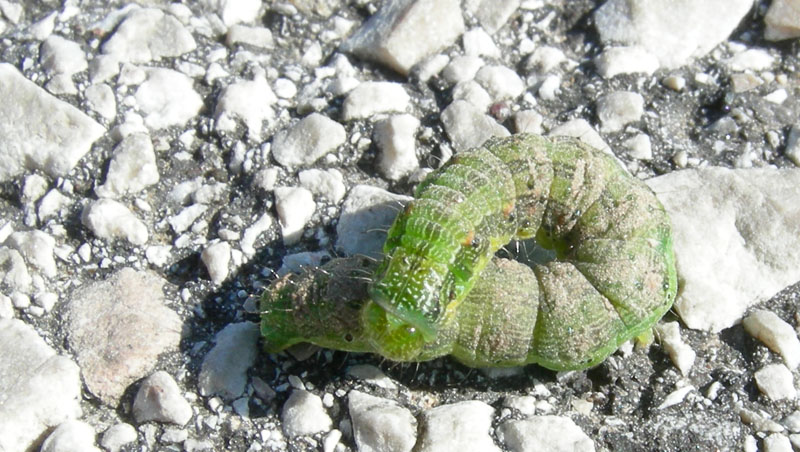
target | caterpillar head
[{"x": 320, "y": 305}]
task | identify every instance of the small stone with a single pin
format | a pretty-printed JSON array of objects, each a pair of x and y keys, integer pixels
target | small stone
[
  {"x": 251, "y": 234},
  {"x": 367, "y": 213},
  {"x": 233, "y": 12},
  {"x": 752, "y": 60},
  {"x": 468, "y": 127},
  {"x": 395, "y": 139},
  {"x": 6, "y": 307},
  {"x": 197, "y": 445},
  {"x": 184, "y": 219},
  {"x": 224, "y": 368},
  {"x": 619, "y": 108},
  {"x": 148, "y": 34},
  {"x": 432, "y": 66},
  {"x": 216, "y": 257},
  {"x": 112, "y": 355},
  {"x": 550, "y": 87},
  {"x": 544, "y": 59},
  {"x": 759, "y": 422},
  {"x": 34, "y": 187},
  {"x": 675, "y": 82},
  {"x": 777, "y": 442},
  {"x": 546, "y": 432},
  {"x": 371, "y": 375},
  {"x": 159, "y": 399},
  {"x": 167, "y": 99},
  {"x": 249, "y": 101},
  {"x": 777, "y": 97},
  {"x": 745, "y": 82},
  {"x": 40, "y": 389},
  {"x": 400, "y": 34},
  {"x": 174, "y": 435},
  {"x": 307, "y": 140},
  {"x": 109, "y": 220},
  {"x": 71, "y": 436},
  {"x": 478, "y": 43},
  {"x": 117, "y": 436},
  {"x": 793, "y": 145},
  {"x": 581, "y": 129},
  {"x": 14, "y": 272},
  {"x": 371, "y": 98},
  {"x": 679, "y": 352},
  {"x": 37, "y": 249},
  {"x": 462, "y": 69},
  {"x": 528, "y": 121},
  {"x": 132, "y": 168},
  {"x": 331, "y": 441},
  {"x": 776, "y": 382},
  {"x": 100, "y": 98},
  {"x": 285, "y": 88},
  {"x": 680, "y": 159},
  {"x": 457, "y": 426},
  {"x": 501, "y": 82},
  {"x": 472, "y": 92},
  {"x": 303, "y": 414},
  {"x": 776, "y": 334},
  {"x": 675, "y": 397},
  {"x": 526, "y": 405},
  {"x": 782, "y": 20},
  {"x": 295, "y": 206},
  {"x": 695, "y": 28},
  {"x": 626, "y": 60},
  {"x": 328, "y": 184},
  {"x": 639, "y": 147},
  {"x": 39, "y": 131},
  {"x": 492, "y": 14},
  {"x": 52, "y": 204},
  {"x": 792, "y": 422},
  {"x": 255, "y": 36},
  {"x": 380, "y": 425},
  {"x": 62, "y": 56}
]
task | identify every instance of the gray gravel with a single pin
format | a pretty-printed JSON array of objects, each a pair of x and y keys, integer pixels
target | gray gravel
[{"x": 161, "y": 162}]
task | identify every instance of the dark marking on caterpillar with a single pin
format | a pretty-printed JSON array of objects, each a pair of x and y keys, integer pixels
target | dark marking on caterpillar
[{"x": 440, "y": 291}]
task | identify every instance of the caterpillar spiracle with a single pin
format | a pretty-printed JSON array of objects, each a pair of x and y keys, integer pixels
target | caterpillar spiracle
[{"x": 440, "y": 290}]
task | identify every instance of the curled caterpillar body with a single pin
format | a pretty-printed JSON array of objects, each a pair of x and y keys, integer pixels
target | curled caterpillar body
[{"x": 438, "y": 290}]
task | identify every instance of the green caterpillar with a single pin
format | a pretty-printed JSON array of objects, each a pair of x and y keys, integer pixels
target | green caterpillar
[{"x": 439, "y": 289}]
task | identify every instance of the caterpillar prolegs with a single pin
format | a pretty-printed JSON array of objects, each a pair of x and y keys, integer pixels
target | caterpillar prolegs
[{"x": 439, "y": 289}]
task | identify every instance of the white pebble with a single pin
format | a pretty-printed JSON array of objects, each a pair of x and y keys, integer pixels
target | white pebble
[
  {"x": 307, "y": 140},
  {"x": 619, "y": 108},
  {"x": 679, "y": 352},
  {"x": 216, "y": 258},
  {"x": 303, "y": 414},
  {"x": 472, "y": 92},
  {"x": 255, "y": 36},
  {"x": 328, "y": 184},
  {"x": 159, "y": 399},
  {"x": 250, "y": 101},
  {"x": 167, "y": 98},
  {"x": 394, "y": 137},
  {"x": 639, "y": 147},
  {"x": 528, "y": 121},
  {"x": 478, "y": 43},
  {"x": 117, "y": 436},
  {"x": 776, "y": 334},
  {"x": 462, "y": 68},
  {"x": 626, "y": 60},
  {"x": 100, "y": 98},
  {"x": 371, "y": 98},
  {"x": 295, "y": 206},
  {"x": 109, "y": 220},
  {"x": 776, "y": 382},
  {"x": 501, "y": 82},
  {"x": 62, "y": 56},
  {"x": 675, "y": 397},
  {"x": 70, "y": 436},
  {"x": 132, "y": 168}
]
